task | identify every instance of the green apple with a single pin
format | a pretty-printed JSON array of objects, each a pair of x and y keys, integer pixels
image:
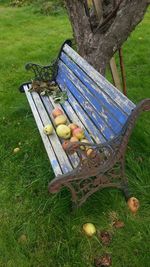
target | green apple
[
  {"x": 48, "y": 129},
  {"x": 61, "y": 119},
  {"x": 63, "y": 131}
]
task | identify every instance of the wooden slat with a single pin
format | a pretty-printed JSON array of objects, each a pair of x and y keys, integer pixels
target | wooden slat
[
  {"x": 74, "y": 117},
  {"x": 74, "y": 158},
  {"x": 98, "y": 137},
  {"x": 106, "y": 86},
  {"x": 57, "y": 147},
  {"x": 49, "y": 105},
  {"x": 47, "y": 144},
  {"x": 104, "y": 99},
  {"x": 115, "y": 73},
  {"x": 93, "y": 116},
  {"x": 97, "y": 108}
]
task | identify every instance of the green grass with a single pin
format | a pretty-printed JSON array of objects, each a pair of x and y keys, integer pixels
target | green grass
[{"x": 54, "y": 236}]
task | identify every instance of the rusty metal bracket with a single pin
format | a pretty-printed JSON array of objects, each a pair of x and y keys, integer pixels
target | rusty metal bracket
[{"x": 103, "y": 167}]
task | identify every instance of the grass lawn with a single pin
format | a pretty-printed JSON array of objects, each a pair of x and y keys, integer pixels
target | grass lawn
[{"x": 37, "y": 229}]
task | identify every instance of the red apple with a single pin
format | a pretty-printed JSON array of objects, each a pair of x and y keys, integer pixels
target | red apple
[
  {"x": 73, "y": 126},
  {"x": 56, "y": 112},
  {"x": 78, "y": 133}
]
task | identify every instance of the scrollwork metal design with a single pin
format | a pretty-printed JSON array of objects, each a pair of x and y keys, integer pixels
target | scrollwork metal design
[
  {"x": 103, "y": 167},
  {"x": 43, "y": 73}
]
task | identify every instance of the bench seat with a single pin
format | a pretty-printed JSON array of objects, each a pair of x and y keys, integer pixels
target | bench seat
[{"x": 93, "y": 103}]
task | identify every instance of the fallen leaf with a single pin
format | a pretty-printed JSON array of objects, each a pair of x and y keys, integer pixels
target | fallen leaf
[
  {"x": 113, "y": 216},
  {"x": 105, "y": 237},
  {"x": 103, "y": 261},
  {"x": 118, "y": 224}
]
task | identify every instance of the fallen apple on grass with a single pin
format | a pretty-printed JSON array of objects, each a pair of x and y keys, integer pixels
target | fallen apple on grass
[
  {"x": 89, "y": 229},
  {"x": 16, "y": 150},
  {"x": 63, "y": 131},
  {"x": 78, "y": 133},
  {"x": 22, "y": 239},
  {"x": 57, "y": 112},
  {"x": 48, "y": 129},
  {"x": 61, "y": 119},
  {"x": 133, "y": 204}
]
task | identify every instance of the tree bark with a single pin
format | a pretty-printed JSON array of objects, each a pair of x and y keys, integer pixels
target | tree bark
[{"x": 98, "y": 47}]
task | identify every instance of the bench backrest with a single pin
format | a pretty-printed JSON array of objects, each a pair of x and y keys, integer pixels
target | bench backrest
[{"x": 107, "y": 107}]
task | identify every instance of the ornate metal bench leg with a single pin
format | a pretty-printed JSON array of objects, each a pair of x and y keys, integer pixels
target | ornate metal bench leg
[
  {"x": 124, "y": 183},
  {"x": 85, "y": 187},
  {"x": 126, "y": 191}
]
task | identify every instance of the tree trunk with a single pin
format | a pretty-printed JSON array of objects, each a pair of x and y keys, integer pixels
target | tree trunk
[{"x": 97, "y": 45}]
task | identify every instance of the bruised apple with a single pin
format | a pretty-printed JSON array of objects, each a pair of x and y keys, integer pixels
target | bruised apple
[
  {"x": 61, "y": 119},
  {"x": 65, "y": 144},
  {"x": 63, "y": 131},
  {"x": 78, "y": 133},
  {"x": 133, "y": 204},
  {"x": 57, "y": 112}
]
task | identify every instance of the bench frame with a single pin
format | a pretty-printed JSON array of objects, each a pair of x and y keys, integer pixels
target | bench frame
[{"x": 105, "y": 166}]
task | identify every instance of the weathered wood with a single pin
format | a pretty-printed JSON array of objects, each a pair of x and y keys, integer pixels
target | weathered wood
[
  {"x": 116, "y": 112},
  {"x": 74, "y": 117},
  {"x": 49, "y": 106},
  {"x": 123, "y": 74},
  {"x": 93, "y": 116},
  {"x": 88, "y": 124},
  {"x": 117, "y": 109},
  {"x": 98, "y": 8},
  {"x": 54, "y": 140},
  {"x": 99, "y": 107},
  {"x": 115, "y": 74},
  {"x": 47, "y": 144},
  {"x": 101, "y": 81}
]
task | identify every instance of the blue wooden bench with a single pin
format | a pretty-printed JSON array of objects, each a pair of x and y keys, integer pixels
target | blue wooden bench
[{"x": 105, "y": 114}]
